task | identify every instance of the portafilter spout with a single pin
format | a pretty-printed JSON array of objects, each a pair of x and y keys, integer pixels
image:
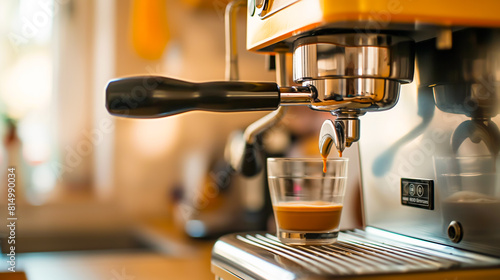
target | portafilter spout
[
  {"x": 342, "y": 133},
  {"x": 331, "y": 133}
]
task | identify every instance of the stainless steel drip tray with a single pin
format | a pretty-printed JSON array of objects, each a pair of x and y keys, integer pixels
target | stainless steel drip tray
[{"x": 358, "y": 253}]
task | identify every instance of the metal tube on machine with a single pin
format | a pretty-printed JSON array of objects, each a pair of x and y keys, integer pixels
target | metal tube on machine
[
  {"x": 232, "y": 71},
  {"x": 290, "y": 96}
]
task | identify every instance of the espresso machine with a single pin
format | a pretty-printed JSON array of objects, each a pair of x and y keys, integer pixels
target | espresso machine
[{"x": 424, "y": 78}]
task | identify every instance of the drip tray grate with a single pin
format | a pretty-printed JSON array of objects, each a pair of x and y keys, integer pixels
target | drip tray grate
[{"x": 357, "y": 252}]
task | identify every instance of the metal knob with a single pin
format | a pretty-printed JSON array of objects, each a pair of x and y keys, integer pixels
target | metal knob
[
  {"x": 455, "y": 232},
  {"x": 261, "y": 7}
]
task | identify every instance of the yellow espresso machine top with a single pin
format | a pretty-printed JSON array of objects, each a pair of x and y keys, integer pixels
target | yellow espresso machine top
[{"x": 273, "y": 21}]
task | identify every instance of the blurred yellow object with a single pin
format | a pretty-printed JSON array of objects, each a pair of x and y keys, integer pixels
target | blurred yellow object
[
  {"x": 150, "y": 33},
  {"x": 211, "y": 5},
  {"x": 193, "y": 3}
]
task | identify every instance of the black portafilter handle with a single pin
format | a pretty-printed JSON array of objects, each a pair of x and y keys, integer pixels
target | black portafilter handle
[{"x": 155, "y": 96}]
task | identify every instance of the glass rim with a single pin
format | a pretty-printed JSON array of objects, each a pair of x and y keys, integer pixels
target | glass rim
[{"x": 289, "y": 159}]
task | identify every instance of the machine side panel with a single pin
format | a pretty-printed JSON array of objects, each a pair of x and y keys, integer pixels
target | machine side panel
[{"x": 411, "y": 141}]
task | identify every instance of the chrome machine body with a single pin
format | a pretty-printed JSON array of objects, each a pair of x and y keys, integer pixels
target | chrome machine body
[
  {"x": 429, "y": 165},
  {"x": 440, "y": 148},
  {"x": 428, "y": 155}
]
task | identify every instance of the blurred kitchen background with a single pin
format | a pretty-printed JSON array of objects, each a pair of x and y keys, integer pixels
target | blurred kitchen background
[{"x": 89, "y": 181}]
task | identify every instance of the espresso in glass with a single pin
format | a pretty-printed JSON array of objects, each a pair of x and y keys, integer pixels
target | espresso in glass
[
  {"x": 308, "y": 215},
  {"x": 307, "y": 202}
]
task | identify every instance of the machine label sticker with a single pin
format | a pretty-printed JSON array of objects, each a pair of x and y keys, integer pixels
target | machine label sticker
[{"x": 417, "y": 193}]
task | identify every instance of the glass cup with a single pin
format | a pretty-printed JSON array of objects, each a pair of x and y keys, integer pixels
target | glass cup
[{"x": 307, "y": 203}]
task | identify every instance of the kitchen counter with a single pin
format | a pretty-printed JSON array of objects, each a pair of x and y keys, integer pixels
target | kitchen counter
[
  {"x": 169, "y": 255},
  {"x": 115, "y": 266}
]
